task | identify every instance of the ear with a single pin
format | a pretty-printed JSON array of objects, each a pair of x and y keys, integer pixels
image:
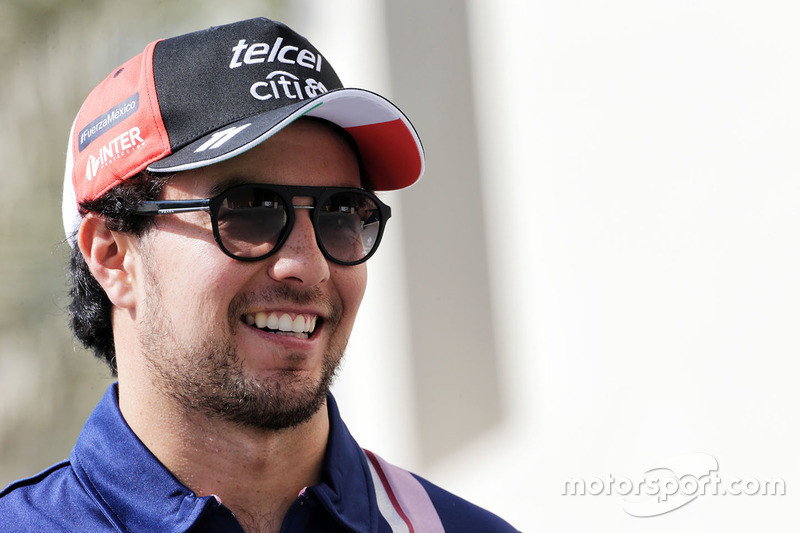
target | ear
[{"x": 111, "y": 257}]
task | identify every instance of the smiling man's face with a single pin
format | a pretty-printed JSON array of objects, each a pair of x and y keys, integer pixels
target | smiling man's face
[{"x": 212, "y": 328}]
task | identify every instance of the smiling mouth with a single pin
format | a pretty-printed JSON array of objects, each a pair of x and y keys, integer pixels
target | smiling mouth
[{"x": 299, "y": 326}]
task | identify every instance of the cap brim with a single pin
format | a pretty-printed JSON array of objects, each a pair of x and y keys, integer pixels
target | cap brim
[{"x": 391, "y": 152}]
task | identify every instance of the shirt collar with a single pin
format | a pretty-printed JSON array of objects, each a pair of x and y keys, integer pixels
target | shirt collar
[{"x": 346, "y": 489}]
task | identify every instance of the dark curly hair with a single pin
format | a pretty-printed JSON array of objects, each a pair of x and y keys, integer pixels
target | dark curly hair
[{"x": 90, "y": 309}]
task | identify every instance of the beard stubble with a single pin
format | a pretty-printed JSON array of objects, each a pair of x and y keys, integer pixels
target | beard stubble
[{"x": 209, "y": 377}]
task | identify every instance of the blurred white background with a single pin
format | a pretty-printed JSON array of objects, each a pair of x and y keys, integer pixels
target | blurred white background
[{"x": 627, "y": 289}]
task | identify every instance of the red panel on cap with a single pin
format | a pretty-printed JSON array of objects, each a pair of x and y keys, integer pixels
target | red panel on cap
[
  {"x": 389, "y": 153},
  {"x": 119, "y": 130}
]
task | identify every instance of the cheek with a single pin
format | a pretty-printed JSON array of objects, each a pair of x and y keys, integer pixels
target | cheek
[{"x": 191, "y": 277}]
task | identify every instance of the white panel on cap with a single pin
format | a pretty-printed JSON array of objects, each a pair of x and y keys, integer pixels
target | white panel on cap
[
  {"x": 353, "y": 109},
  {"x": 69, "y": 204}
]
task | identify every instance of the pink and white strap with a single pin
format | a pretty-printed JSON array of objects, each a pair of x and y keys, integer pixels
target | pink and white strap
[{"x": 402, "y": 500}]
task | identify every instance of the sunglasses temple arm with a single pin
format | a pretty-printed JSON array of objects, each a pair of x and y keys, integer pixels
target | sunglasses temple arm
[{"x": 167, "y": 207}]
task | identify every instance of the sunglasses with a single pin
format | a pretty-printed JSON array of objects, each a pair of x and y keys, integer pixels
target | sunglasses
[{"x": 251, "y": 222}]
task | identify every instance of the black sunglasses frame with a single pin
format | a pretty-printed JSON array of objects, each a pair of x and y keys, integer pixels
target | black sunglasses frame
[{"x": 287, "y": 193}]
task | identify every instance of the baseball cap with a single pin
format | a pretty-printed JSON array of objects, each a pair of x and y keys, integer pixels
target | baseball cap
[{"x": 200, "y": 98}]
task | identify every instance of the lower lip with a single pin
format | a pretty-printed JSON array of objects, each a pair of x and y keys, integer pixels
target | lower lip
[{"x": 287, "y": 340}]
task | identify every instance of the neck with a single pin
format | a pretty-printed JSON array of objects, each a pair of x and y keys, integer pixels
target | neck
[{"x": 256, "y": 473}]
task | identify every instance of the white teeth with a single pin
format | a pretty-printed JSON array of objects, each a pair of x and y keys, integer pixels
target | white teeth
[
  {"x": 300, "y": 327},
  {"x": 285, "y": 323}
]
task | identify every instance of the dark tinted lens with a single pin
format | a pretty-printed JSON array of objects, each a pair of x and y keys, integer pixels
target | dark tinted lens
[
  {"x": 251, "y": 221},
  {"x": 348, "y": 225}
]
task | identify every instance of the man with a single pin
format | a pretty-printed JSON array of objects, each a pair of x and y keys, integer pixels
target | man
[{"x": 218, "y": 201}]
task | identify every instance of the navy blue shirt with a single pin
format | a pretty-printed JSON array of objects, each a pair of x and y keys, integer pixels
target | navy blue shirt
[{"x": 112, "y": 482}]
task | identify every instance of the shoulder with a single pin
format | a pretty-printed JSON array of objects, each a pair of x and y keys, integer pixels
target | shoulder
[
  {"x": 458, "y": 514},
  {"x": 52, "y": 500},
  {"x": 407, "y": 497}
]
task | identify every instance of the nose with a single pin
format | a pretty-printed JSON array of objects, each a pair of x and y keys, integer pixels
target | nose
[{"x": 300, "y": 260}]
